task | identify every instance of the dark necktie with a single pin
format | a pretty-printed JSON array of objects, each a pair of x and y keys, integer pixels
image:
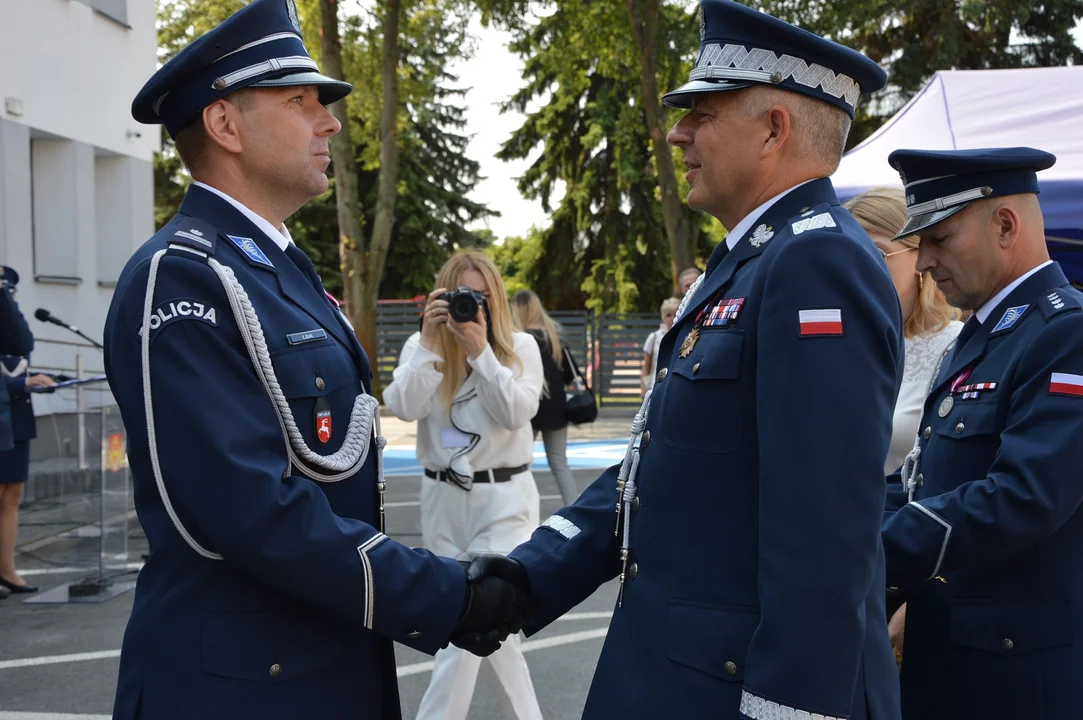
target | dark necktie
[
  {"x": 969, "y": 328},
  {"x": 302, "y": 261},
  {"x": 717, "y": 256}
]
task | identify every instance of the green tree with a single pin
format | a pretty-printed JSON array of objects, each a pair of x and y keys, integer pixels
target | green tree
[{"x": 607, "y": 246}]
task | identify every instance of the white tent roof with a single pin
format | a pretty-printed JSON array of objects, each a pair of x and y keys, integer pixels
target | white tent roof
[{"x": 963, "y": 109}]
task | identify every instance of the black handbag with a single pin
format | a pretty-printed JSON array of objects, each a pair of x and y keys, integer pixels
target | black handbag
[{"x": 580, "y": 406}]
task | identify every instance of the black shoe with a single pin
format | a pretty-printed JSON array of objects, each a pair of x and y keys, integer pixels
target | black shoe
[
  {"x": 4, "y": 592},
  {"x": 17, "y": 589}
]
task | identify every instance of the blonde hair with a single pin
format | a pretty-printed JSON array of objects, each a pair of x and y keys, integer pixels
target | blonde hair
[
  {"x": 453, "y": 364},
  {"x": 527, "y": 311},
  {"x": 670, "y": 303},
  {"x": 882, "y": 210}
]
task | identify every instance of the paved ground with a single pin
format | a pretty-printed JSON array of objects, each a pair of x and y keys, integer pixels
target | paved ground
[{"x": 59, "y": 662}]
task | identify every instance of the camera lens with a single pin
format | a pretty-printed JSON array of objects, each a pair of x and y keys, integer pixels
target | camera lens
[{"x": 463, "y": 307}]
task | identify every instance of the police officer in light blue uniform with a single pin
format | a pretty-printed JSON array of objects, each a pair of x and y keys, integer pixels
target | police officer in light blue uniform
[
  {"x": 984, "y": 537},
  {"x": 744, "y": 524},
  {"x": 271, "y": 590}
]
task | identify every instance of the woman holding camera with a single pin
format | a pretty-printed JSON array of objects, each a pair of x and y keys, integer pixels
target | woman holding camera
[{"x": 473, "y": 385}]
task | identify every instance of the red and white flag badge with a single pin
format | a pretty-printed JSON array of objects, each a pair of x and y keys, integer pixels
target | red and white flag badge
[
  {"x": 1066, "y": 384},
  {"x": 827, "y": 321}
]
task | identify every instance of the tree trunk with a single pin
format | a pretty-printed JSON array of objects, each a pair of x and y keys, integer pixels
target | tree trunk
[
  {"x": 644, "y": 18},
  {"x": 351, "y": 241},
  {"x": 376, "y": 257}
]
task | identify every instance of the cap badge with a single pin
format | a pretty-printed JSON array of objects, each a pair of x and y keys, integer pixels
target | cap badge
[{"x": 291, "y": 8}]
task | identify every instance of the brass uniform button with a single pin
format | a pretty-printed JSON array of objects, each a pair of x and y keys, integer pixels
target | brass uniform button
[
  {"x": 730, "y": 667},
  {"x": 662, "y": 374},
  {"x": 695, "y": 368},
  {"x": 635, "y": 504},
  {"x": 1007, "y": 644},
  {"x": 275, "y": 670},
  {"x": 633, "y": 572},
  {"x": 959, "y": 429},
  {"x": 928, "y": 432},
  {"x": 645, "y": 441},
  {"x": 320, "y": 384}
]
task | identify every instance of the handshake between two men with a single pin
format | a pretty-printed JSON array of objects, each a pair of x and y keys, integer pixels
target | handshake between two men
[{"x": 498, "y": 604}]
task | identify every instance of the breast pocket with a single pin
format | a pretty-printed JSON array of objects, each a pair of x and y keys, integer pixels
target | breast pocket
[
  {"x": 966, "y": 443},
  {"x": 1003, "y": 650},
  {"x": 702, "y": 409},
  {"x": 321, "y": 374}
]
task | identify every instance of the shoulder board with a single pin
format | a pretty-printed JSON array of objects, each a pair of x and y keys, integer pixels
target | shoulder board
[
  {"x": 814, "y": 219},
  {"x": 195, "y": 233},
  {"x": 1058, "y": 301}
]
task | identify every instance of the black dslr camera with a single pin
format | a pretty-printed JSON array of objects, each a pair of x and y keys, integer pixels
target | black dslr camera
[{"x": 463, "y": 304}]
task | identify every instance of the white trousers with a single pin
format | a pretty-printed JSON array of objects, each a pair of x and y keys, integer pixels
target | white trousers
[{"x": 491, "y": 518}]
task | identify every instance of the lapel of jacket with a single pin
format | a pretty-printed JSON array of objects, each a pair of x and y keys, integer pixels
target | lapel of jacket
[
  {"x": 1028, "y": 294},
  {"x": 262, "y": 253},
  {"x": 751, "y": 244}
]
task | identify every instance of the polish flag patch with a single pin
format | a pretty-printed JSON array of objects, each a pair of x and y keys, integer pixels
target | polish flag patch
[
  {"x": 827, "y": 321},
  {"x": 1066, "y": 384}
]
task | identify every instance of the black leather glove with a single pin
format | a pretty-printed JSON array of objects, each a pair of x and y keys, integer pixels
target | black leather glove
[{"x": 498, "y": 604}]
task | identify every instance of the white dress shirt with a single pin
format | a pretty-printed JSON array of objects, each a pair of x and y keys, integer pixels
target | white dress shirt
[
  {"x": 922, "y": 359},
  {"x": 281, "y": 236},
  {"x": 495, "y": 402},
  {"x": 985, "y": 310}
]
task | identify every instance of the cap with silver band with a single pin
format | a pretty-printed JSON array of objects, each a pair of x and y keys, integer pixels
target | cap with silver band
[
  {"x": 258, "y": 46},
  {"x": 940, "y": 183},
  {"x": 741, "y": 47}
]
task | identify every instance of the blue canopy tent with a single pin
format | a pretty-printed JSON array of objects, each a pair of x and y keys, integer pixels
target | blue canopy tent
[{"x": 962, "y": 109}]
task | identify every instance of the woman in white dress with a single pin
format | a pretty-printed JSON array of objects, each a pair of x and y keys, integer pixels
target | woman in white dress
[{"x": 930, "y": 327}]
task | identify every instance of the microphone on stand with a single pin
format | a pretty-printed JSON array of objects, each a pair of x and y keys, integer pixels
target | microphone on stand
[{"x": 45, "y": 316}]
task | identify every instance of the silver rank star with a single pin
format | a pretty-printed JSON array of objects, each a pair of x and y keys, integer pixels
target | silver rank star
[{"x": 761, "y": 235}]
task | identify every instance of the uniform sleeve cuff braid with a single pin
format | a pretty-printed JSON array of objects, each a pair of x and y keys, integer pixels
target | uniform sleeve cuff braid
[{"x": 755, "y": 707}]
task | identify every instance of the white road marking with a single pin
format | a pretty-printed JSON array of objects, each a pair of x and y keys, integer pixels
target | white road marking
[
  {"x": 66, "y": 570},
  {"x": 528, "y": 646},
  {"x": 58, "y": 659},
  {"x": 51, "y": 716},
  {"x": 404, "y": 670}
]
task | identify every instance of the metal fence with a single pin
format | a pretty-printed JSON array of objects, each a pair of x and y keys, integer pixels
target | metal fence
[{"x": 608, "y": 348}]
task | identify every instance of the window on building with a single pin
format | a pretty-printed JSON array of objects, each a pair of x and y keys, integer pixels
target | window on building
[
  {"x": 115, "y": 9},
  {"x": 62, "y": 182},
  {"x": 113, "y": 215}
]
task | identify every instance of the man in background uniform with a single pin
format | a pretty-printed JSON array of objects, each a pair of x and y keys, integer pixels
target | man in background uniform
[
  {"x": 747, "y": 540},
  {"x": 271, "y": 590},
  {"x": 987, "y": 550}
]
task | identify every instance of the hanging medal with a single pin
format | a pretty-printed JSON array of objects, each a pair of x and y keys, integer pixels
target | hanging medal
[
  {"x": 323, "y": 420},
  {"x": 689, "y": 343}
]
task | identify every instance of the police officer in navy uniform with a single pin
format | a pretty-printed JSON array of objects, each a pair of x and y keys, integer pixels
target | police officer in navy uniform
[
  {"x": 271, "y": 590},
  {"x": 16, "y": 341},
  {"x": 744, "y": 524},
  {"x": 984, "y": 538}
]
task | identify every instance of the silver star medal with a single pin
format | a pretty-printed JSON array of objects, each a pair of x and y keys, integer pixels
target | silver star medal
[{"x": 761, "y": 235}]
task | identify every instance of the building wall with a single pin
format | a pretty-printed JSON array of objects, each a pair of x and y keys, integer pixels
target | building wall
[{"x": 76, "y": 172}]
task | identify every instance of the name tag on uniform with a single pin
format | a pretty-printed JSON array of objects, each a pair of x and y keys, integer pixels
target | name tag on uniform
[
  {"x": 307, "y": 336},
  {"x": 451, "y": 438}
]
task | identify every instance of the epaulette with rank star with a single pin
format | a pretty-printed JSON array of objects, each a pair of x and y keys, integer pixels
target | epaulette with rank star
[{"x": 1056, "y": 302}]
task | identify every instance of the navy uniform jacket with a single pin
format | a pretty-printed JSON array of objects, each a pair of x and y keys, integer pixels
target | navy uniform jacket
[
  {"x": 297, "y": 618},
  {"x": 15, "y": 339},
  {"x": 756, "y": 580},
  {"x": 999, "y": 634},
  {"x": 23, "y": 426}
]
